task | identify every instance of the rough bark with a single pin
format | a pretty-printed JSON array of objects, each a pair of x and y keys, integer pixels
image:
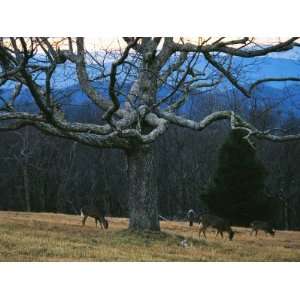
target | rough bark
[{"x": 143, "y": 192}]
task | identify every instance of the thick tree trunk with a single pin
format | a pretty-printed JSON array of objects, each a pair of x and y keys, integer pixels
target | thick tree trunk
[{"x": 143, "y": 193}]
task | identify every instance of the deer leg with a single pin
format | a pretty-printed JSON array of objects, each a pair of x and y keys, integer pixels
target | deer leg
[
  {"x": 217, "y": 233},
  {"x": 101, "y": 223},
  {"x": 221, "y": 233},
  {"x": 96, "y": 222},
  {"x": 83, "y": 220},
  {"x": 256, "y": 232},
  {"x": 200, "y": 229}
]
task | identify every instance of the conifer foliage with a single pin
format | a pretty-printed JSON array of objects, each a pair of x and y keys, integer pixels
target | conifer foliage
[{"x": 236, "y": 191}]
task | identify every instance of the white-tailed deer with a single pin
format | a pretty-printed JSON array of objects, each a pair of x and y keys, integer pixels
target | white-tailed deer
[
  {"x": 215, "y": 222},
  {"x": 264, "y": 226},
  {"x": 94, "y": 212},
  {"x": 191, "y": 215}
]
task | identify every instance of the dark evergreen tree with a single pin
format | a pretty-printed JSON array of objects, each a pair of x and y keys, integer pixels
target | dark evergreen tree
[{"x": 237, "y": 189}]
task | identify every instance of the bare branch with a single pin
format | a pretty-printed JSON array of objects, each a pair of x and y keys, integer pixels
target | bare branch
[
  {"x": 79, "y": 60},
  {"x": 236, "y": 121},
  {"x": 223, "y": 47},
  {"x": 226, "y": 73},
  {"x": 63, "y": 125},
  {"x": 116, "y": 104},
  {"x": 10, "y": 103},
  {"x": 279, "y": 47},
  {"x": 173, "y": 67},
  {"x": 272, "y": 79}
]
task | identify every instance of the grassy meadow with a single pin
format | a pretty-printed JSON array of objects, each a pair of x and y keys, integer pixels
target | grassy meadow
[{"x": 59, "y": 237}]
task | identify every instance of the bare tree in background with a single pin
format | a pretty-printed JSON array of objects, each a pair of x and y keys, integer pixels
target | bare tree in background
[
  {"x": 134, "y": 113},
  {"x": 22, "y": 158}
]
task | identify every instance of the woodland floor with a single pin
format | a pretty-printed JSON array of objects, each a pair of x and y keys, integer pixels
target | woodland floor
[{"x": 59, "y": 237}]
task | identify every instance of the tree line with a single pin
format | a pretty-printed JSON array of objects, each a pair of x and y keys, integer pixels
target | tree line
[{"x": 42, "y": 173}]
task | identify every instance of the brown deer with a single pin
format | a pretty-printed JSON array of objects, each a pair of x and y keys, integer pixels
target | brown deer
[
  {"x": 191, "y": 215},
  {"x": 264, "y": 226},
  {"x": 94, "y": 212},
  {"x": 215, "y": 222}
]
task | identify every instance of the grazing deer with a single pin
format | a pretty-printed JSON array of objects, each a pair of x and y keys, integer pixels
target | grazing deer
[
  {"x": 191, "y": 215},
  {"x": 94, "y": 212},
  {"x": 259, "y": 225},
  {"x": 215, "y": 222}
]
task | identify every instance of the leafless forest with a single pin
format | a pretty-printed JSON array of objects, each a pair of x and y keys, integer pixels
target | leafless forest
[{"x": 145, "y": 118}]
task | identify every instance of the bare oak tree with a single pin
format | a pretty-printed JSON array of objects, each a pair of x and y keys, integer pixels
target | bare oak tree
[{"x": 134, "y": 112}]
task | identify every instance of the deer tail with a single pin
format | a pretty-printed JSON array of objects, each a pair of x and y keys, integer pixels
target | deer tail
[{"x": 81, "y": 212}]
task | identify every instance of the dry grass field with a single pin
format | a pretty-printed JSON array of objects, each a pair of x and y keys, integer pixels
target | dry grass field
[{"x": 58, "y": 237}]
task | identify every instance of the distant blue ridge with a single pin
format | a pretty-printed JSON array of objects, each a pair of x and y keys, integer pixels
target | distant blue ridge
[{"x": 69, "y": 93}]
